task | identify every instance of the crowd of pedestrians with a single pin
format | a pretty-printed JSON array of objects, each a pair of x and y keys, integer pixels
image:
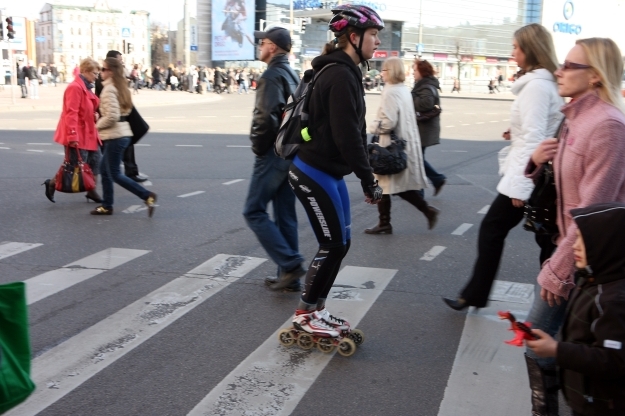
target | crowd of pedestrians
[{"x": 581, "y": 140}]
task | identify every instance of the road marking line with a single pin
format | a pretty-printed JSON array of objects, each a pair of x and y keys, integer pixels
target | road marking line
[
  {"x": 131, "y": 209},
  {"x": 454, "y": 151},
  {"x": 176, "y": 117},
  {"x": 54, "y": 281},
  {"x": 39, "y": 144},
  {"x": 234, "y": 181},
  {"x": 8, "y": 148},
  {"x": 268, "y": 379},
  {"x": 143, "y": 145},
  {"x": 232, "y": 145},
  {"x": 191, "y": 194},
  {"x": 8, "y": 249},
  {"x": 188, "y": 145},
  {"x": 60, "y": 153},
  {"x": 484, "y": 209},
  {"x": 148, "y": 118},
  {"x": 147, "y": 183},
  {"x": 462, "y": 229},
  {"x": 33, "y": 150},
  {"x": 450, "y": 126},
  {"x": 494, "y": 121},
  {"x": 63, "y": 368},
  {"x": 208, "y": 116},
  {"x": 492, "y": 114},
  {"x": 484, "y": 365},
  {"x": 434, "y": 251},
  {"x": 506, "y": 119}
]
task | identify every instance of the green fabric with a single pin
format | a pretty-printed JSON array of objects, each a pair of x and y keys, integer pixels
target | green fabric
[{"x": 15, "y": 382}]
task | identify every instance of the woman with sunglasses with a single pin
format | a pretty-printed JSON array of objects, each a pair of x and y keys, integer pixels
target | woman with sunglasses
[
  {"x": 76, "y": 130},
  {"x": 535, "y": 116},
  {"x": 588, "y": 169},
  {"x": 115, "y": 132}
]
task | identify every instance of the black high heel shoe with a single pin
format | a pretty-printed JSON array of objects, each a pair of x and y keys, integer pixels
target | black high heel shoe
[
  {"x": 49, "y": 190},
  {"x": 93, "y": 195},
  {"x": 456, "y": 304}
]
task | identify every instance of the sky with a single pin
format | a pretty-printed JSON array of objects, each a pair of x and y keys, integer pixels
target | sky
[{"x": 164, "y": 11}]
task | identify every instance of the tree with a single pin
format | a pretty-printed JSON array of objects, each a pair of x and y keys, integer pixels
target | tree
[{"x": 158, "y": 40}]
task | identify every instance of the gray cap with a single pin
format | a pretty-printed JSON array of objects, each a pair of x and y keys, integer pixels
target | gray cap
[{"x": 278, "y": 35}]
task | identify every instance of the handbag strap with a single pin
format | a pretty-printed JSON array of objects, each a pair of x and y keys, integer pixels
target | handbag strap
[{"x": 77, "y": 153}]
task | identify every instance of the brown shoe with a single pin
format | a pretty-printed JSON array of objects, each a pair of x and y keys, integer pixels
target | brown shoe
[
  {"x": 102, "y": 211},
  {"x": 381, "y": 228},
  {"x": 432, "y": 216},
  {"x": 150, "y": 203}
]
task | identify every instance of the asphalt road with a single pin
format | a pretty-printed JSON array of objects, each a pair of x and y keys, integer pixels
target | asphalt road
[{"x": 199, "y": 163}]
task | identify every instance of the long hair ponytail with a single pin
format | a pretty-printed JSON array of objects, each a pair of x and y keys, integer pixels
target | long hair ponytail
[
  {"x": 121, "y": 84},
  {"x": 341, "y": 42}
]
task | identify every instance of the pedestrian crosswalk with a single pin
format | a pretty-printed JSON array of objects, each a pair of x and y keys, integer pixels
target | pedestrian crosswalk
[{"x": 272, "y": 379}]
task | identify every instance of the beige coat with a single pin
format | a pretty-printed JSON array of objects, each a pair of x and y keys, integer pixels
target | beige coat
[
  {"x": 108, "y": 124},
  {"x": 396, "y": 113}
]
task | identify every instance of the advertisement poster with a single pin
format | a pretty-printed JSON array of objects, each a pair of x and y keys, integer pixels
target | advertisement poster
[
  {"x": 233, "y": 30},
  {"x": 19, "y": 26}
]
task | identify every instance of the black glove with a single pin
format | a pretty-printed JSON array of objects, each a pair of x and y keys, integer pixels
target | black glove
[{"x": 372, "y": 191}]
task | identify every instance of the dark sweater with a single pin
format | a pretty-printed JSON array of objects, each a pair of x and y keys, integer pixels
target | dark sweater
[
  {"x": 591, "y": 355},
  {"x": 337, "y": 121}
]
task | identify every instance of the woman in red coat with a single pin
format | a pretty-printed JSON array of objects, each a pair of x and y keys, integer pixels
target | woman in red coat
[{"x": 76, "y": 128}]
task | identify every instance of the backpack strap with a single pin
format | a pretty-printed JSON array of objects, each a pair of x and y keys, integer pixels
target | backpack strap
[{"x": 311, "y": 85}]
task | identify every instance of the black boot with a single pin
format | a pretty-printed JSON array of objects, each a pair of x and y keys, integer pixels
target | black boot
[
  {"x": 544, "y": 387},
  {"x": 49, "y": 189},
  {"x": 416, "y": 199},
  {"x": 384, "y": 209}
]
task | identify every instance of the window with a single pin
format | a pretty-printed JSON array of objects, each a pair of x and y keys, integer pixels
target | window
[
  {"x": 80, "y": 46},
  {"x": 71, "y": 46},
  {"x": 79, "y": 31},
  {"x": 71, "y": 30},
  {"x": 108, "y": 33},
  {"x": 48, "y": 30}
]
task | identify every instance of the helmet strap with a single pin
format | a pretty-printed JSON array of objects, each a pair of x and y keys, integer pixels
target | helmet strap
[{"x": 358, "y": 48}]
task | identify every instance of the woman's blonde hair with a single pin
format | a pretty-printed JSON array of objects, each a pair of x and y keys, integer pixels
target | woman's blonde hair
[
  {"x": 537, "y": 45},
  {"x": 394, "y": 70},
  {"x": 121, "y": 84},
  {"x": 89, "y": 65},
  {"x": 607, "y": 62}
]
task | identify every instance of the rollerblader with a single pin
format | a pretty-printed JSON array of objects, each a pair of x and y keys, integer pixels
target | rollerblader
[{"x": 337, "y": 147}]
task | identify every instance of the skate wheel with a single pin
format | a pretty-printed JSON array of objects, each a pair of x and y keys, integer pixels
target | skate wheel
[
  {"x": 357, "y": 336},
  {"x": 286, "y": 337},
  {"x": 347, "y": 347},
  {"x": 305, "y": 341},
  {"x": 325, "y": 345}
]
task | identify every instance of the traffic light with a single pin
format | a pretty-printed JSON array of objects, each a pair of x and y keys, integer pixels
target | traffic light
[
  {"x": 131, "y": 48},
  {"x": 10, "y": 31},
  {"x": 304, "y": 21}
]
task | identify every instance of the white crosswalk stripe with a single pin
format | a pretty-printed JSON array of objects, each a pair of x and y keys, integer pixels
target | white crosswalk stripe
[
  {"x": 9, "y": 248},
  {"x": 63, "y": 368},
  {"x": 266, "y": 380},
  {"x": 54, "y": 281}
]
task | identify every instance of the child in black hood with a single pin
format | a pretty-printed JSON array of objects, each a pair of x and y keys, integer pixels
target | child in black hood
[{"x": 591, "y": 355}]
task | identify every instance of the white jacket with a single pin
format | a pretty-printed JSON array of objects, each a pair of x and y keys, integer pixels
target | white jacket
[{"x": 535, "y": 116}]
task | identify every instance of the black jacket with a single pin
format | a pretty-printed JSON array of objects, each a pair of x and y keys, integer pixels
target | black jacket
[
  {"x": 274, "y": 88},
  {"x": 337, "y": 120},
  {"x": 591, "y": 355},
  {"x": 425, "y": 97}
]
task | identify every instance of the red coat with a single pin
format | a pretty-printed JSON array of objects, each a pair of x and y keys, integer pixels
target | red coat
[{"x": 77, "y": 121}]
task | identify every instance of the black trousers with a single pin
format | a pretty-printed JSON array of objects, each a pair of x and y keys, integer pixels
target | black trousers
[
  {"x": 130, "y": 166},
  {"x": 499, "y": 220}
]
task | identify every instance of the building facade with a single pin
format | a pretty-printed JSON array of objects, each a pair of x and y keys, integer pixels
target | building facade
[{"x": 68, "y": 34}]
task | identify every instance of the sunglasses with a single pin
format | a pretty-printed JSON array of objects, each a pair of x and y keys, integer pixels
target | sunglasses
[
  {"x": 264, "y": 41},
  {"x": 572, "y": 65}
]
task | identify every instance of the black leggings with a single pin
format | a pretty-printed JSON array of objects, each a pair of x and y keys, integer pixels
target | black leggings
[
  {"x": 499, "y": 220},
  {"x": 326, "y": 202}
]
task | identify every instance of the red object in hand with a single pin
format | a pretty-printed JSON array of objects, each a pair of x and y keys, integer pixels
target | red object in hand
[{"x": 521, "y": 330}]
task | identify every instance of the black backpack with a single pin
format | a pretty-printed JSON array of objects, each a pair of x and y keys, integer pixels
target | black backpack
[{"x": 294, "y": 127}]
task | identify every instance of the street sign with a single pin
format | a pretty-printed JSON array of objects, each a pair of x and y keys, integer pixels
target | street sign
[
  {"x": 125, "y": 32},
  {"x": 40, "y": 39},
  {"x": 166, "y": 48},
  {"x": 419, "y": 48},
  {"x": 193, "y": 48}
]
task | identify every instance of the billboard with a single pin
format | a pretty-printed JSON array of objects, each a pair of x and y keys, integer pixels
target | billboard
[
  {"x": 19, "y": 25},
  {"x": 233, "y": 30}
]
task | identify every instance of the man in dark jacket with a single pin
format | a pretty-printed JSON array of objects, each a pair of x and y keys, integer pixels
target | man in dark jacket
[
  {"x": 270, "y": 178},
  {"x": 130, "y": 165},
  {"x": 21, "y": 80},
  {"x": 591, "y": 355}
]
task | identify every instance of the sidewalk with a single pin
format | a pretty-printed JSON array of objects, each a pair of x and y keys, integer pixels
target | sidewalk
[
  {"x": 51, "y": 99},
  {"x": 502, "y": 96}
]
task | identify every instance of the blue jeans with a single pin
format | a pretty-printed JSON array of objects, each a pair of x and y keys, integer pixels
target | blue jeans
[
  {"x": 270, "y": 183},
  {"x": 113, "y": 150},
  {"x": 548, "y": 319},
  {"x": 431, "y": 173}
]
